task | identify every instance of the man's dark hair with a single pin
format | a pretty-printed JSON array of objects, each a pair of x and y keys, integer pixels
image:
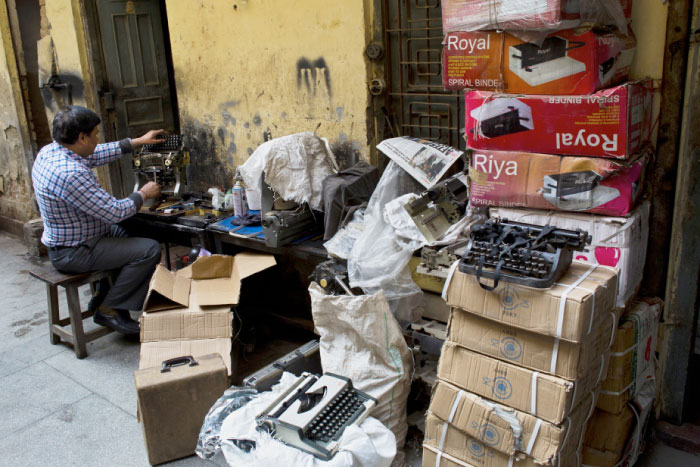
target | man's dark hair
[{"x": 70, "y": 121}]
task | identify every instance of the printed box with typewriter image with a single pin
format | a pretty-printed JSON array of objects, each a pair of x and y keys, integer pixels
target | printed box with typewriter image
[
  {"x": 567, "y": 62},
  {"x": 614, "y": 123},
  {"x": 566, "y": 183},
  {"x": 473, "y": 15}
]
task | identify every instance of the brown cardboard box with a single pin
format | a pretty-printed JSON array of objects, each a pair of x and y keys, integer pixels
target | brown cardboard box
[
  {"x": 459, "y": 449},
  {"x": 549, "y": 397},
  {"x": 539, "y": 310},
  {"x": 606, "y": 437},
  {"x": 183, "y": 324},
  {"x": 529, "y": 349},
  {"x": 210, "y": 281},
  {"x": 172, "y": 405},
  {"x": 508, "y": 430},
  {"x": 435, "y": 307},
  {"x": 632, "y": 355}
]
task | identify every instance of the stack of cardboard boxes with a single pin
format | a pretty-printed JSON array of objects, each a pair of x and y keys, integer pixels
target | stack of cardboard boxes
[
  {"x": 188, "y": 312},
  {"x": 557, "y": 137},
  {"x": 518, "y": 374}
]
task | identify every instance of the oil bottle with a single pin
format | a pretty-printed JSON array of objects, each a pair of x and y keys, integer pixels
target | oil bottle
[{"x": 240, "y": 203}]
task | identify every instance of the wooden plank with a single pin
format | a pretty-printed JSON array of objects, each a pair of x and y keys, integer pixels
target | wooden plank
[{"x": 684, "y": 258}]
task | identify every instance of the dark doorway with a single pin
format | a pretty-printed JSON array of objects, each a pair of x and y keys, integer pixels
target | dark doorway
[{"x": 134, "y": 73}]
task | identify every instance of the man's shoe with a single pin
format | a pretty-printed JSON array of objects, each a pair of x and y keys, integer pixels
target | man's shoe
[
  {"x": 101, "y": 289},
  {"x": 116, "y": 320}
]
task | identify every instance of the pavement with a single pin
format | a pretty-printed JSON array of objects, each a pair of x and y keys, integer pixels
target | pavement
[{"x": 60, "y": 411}]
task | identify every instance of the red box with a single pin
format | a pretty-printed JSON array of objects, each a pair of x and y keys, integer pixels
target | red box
[
  {"x": 615, "y": 122},
  {"x": 568, "y": 62},
  {"x": 566, "y": 183},
  {"x": 474, "y": 15}
]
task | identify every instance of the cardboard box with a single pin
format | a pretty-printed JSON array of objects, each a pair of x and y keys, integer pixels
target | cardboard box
[
  {"x": 210, "y": 281},
  {"x": 606, "y": 437},
  {"x": 184, "y": 324},
  {"x": 508, "y": 430},
  {"x": 565, "y": 183},
  {"x": 614, "y": 123},
  {"x": 545, "y": 396},
  {"x": 531, "y": 350},
  {"x": 172, "y": 405},
  {"x": 578, "y": 309},
  {"x": 456, "y": 448},
  {"x": 568, "y": 62},
  {"x": 472, "y": 15},
  {"x": 632, "y": 357},
  {"x": 619, "y": 242}
]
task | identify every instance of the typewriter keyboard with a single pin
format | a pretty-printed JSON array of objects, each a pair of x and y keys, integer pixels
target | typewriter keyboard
[
  {"x": 531, "y": 264},
  {"x": 170, "y": 143},
  {"x": 332, "y": 420}
]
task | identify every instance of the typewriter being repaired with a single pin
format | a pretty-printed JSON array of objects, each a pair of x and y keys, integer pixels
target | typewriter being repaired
[
  {"x": 164, "y": 163},
  {"x": 525, "y": 254},
  {"x": 313, "y": 414}
]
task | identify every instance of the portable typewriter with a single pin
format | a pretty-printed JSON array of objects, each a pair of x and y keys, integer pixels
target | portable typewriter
[
  {"x": 313, "y": 414},
  {"x": 164, "y": 162},
  {"x": 525, "y": 254}
]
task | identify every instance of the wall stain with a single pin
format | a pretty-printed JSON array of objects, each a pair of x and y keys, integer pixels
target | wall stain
[
  {"x": 206, "y": 169},
  {"x": 347, "y": 153},
  {"x": 339, "y": 112},
  {"x": 257, "y": 120},
  {"x": 309, "y": 73}
]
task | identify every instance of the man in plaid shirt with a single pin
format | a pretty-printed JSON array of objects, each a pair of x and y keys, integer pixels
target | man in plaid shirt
[{"x": 81, "y": 219}]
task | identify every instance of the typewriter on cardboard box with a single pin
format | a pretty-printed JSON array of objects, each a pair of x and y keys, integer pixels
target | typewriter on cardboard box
[{"x": 313, "y": 414}]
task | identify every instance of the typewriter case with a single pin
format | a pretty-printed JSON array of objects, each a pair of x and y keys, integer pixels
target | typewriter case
[{"x": 174, "y": 399}]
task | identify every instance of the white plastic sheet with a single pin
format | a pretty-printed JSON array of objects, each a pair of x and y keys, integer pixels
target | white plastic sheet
[
  {"x": 360, "y": 339},
  {"x": 294, "y": 166},
  {"x": 368, "y": 445}
]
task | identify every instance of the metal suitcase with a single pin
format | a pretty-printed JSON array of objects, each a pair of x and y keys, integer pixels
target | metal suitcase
[{"x": 174, "y": 399}]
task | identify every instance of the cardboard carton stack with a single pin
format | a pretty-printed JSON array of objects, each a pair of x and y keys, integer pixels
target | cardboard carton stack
[
  {"x": 518, "y": 375},
  {"x": 628, "y": 390},
  {"x": 188, "y": 312}
]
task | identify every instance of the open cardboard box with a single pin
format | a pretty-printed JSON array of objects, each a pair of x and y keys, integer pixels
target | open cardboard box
[{"x": 188, "y": 312}]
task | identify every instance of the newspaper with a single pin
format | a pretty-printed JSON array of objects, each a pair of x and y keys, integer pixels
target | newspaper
[{"x": 424, "y": 160}]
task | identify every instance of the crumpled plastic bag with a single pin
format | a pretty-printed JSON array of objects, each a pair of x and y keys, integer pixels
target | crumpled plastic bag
[
  {"x": 368, "y": 445},
  {"x": 294, "y": 166},
  {"x": 379, "y": 257}
]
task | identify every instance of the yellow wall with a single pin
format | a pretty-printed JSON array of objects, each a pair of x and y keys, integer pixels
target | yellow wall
[
  {"x": 15, "y": 185},
  {"x": 246, "y": 67}
]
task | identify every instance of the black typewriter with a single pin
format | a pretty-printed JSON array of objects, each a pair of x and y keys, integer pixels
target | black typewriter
[
  {"x": 525, "y": 254},
  {"x": 313, "y": 414},
  {"x": 169, "y": 143}
]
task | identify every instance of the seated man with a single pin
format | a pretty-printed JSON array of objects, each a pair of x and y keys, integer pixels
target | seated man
[{"x": 80, "y": 217}]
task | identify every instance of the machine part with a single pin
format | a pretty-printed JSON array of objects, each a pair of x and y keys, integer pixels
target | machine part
[
  {"x": 525, "y": 254},
  {"x": 332, "y": 276},
  {"x": 377, "y": 86},
  {"x": 440, "y": 207},
  {"x": 436, "y": 261},
  {"x": 304, "y": 359},
  {"x": 374, "y": 50},
  {"x": 164, "y": 163},
  {"x": 283, "y": 227}
]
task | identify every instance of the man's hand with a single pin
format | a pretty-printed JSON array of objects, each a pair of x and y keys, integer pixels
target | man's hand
[
  {"x": 150, "y": 190},
  {"x": 149, "y": 138}
]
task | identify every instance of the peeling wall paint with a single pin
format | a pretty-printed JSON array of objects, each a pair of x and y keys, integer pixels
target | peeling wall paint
[
  {"x": 246, "y": 71},
  {"x": 15, "y": 192}
]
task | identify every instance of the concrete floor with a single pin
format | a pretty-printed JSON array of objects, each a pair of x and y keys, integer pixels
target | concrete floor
[{"x": 61, "y": 411}]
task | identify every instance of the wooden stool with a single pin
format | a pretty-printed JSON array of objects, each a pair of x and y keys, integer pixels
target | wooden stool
[{"x": 75, "y": 335}]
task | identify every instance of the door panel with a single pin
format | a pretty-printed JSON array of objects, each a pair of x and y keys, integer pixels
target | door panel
[{"x": 136, "y": 65}]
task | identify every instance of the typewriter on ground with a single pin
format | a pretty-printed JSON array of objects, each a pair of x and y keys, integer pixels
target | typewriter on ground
[
  {"x": 164, "y": 162},
  {"x": 525, "y": 254},
  {"x": 313, "y": 414}
]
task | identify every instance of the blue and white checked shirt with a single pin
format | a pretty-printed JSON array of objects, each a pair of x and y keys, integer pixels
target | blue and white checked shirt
[{"x": 73, "y": 205}]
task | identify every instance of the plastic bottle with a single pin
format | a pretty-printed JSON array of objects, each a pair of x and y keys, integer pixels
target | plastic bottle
[{"x": 240, "y": 203}]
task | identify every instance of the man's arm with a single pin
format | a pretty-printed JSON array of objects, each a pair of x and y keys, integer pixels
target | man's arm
[
  {"x": 82, "y": 192},
  {"x": 108, "y": 152}
]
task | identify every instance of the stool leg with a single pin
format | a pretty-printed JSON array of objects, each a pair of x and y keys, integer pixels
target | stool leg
[
  {"x": 76, "y": 321},
  {"x": 52, "y": 300}
]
